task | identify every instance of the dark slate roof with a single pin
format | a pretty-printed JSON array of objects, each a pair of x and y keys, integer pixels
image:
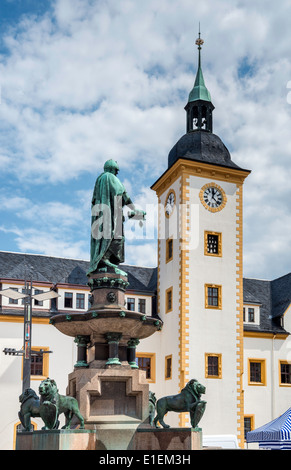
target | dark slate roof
[
  {"x": 274, "y": 297},
  {"x": 141, "y": 279},
  {"x": 204, "y": 147},
  {"x": 281, "y": 295},
  {"x": 55, "y": 270}
]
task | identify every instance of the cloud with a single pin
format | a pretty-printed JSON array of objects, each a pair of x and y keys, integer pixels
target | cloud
[{"x": 87, "y": 81}]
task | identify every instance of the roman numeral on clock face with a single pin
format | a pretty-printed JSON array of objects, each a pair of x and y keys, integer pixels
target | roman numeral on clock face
[{"x": 212, "y": 197}]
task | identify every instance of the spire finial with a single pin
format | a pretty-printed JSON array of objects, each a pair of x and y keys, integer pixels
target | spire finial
[{"x": 199, "y": 42}]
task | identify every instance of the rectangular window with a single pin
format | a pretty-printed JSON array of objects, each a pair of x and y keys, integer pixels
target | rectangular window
[
  {"x": 168, "y": 367},
  {"x": 285, "y": 373},
  {"x": 142, "y": 305},
  {"x": 169, "y": 250},
  {"x": 80, "y": 301},
  {"x": 38, "y": 302},
  {"x": 39, "y": 363},
  {"x": 13, "y": 301},
  {"x": 146, "y": 362},
  {"x": 257, "y": 372},
  {"x": 213, "y": 366},
  {"x": 68, "y": 300},
  {"x": 213, "y": 296},
  {"x": 248, "y": 424},
  {"x": 251, "y": 315},
  {"x": 169, "y": 300},
  {"x": 131, "y": 304},
  {"x": 212, "y": 244}
]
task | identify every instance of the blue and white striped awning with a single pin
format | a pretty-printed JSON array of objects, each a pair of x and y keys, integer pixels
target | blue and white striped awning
[{"x": 276, "y": 431}]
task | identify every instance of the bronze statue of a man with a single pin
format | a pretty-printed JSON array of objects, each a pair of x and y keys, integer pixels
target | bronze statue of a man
[{"x": 107, "y": 234}]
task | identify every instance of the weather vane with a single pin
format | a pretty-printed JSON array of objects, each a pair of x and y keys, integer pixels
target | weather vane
[{"x": 199, "y": 42}]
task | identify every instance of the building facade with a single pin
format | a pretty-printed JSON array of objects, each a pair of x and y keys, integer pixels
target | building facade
[
  {"x": 230, "y": 333},
  {"x": 207, "y": 345}
]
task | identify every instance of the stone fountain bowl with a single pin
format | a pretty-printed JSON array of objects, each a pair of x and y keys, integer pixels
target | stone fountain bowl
[{"x": 101, "y": 321}]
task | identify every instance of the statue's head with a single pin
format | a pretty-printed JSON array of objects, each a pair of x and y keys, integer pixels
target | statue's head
[
  {"x": 48, "y": 388},
  {"x": 196, "y": 386},
  {"x": 28, "y": 393},
  {"x": 111, "y": 166}
]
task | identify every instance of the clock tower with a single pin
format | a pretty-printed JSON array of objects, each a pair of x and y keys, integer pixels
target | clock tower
[{"x": 200, "y": 272}]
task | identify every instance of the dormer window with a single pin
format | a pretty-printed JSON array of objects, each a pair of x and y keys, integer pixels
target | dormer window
[{"x": 251, "y": 314}]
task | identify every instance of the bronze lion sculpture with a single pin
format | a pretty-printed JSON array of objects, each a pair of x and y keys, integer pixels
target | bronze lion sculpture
[
  {"x": 29, "y": 408},
  {"x": 152, "y": 407},
  {"x": 188, "y": 400},
  {"x": 52, "y": 404}
]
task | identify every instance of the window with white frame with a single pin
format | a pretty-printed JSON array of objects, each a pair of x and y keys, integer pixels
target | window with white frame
[
  {"x": 251, "y": 314},
  {"x": 68, "y": 303},
  {"x": 80, "y": 300}
]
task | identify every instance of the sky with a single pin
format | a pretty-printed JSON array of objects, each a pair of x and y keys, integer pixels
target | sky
[{"x": 83, "y": 81}]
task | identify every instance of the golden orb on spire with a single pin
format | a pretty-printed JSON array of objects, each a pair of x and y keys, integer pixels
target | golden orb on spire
[{"x": 199, "y": 42}]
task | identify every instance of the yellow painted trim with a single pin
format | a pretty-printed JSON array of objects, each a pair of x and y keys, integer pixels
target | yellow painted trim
[
  {"x": 252, "y": 421},
  {"x": 167, "y": 309},
  {"x": 152, "y": 357},
  {"x": 34, "y": 425},
  {"x": 166, "y": 359},
  {"x": 279, "y": 370},
  {"x": 20, "y": 319},
  {"x": 219, "y": 235},
  {"x": 45, "y": 364},
  {"x": 224, "y": 198},
  {"x": 184, "y": 290},
  {"x": 239, "y": 314},
  {"x": 21, "y": 283},
  {"x": 288, "y": 308},
  {"x": 263, "y": 372},
  {"x": 204, "y": 170},
  {"x": 219, "y": 288},
  {"x": 259, "y": 334},
  {"x": 219, "y": 356}
]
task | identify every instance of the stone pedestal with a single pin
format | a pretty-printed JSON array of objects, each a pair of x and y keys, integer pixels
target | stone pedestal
[
  {"x": 60, "y": 439},
  {"x": 148, "y": 438},
  {"x": 116, "y": 394},
  {"x": 112, "y": 393},
  {"x": 114, "y": 401}
]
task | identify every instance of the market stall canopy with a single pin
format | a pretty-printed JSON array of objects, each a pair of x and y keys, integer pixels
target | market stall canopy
[{"x": 275, "y": 434}]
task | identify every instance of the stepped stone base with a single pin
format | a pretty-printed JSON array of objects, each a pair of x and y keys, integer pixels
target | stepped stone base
[
  {"x": 148, "y": 438},
  {"x": 60, "y": 439},
  {"x": 112, "y": 436}
]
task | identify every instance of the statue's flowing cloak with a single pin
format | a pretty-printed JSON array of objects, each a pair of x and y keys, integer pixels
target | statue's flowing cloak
[{"x": 109, "y": 192}]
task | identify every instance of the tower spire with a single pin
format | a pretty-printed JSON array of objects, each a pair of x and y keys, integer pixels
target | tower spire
[
  {"x": 199, "y": 107},
  {"x": 199, "y": 42}
]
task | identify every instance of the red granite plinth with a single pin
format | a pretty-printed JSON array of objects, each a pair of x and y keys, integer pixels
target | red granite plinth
[
  {"x": 56, "y": 439},
  {"x": 149, "y": 438}
]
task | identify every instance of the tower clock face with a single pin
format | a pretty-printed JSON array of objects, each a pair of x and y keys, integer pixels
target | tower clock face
[
  {"x": 212, "y": 197},
  {"x": 170, "y": 203}
]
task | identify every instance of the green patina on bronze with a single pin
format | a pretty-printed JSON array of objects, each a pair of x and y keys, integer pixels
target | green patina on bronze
[
  {"x": 131, "y": 345},
  {"x": 52, "y": 404},
  {"x": 48, "y": 407},
  {"x": 188, "y": 400},
  {"x": 107, "y": 235},
  {"x": 199, "y": 91}
]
